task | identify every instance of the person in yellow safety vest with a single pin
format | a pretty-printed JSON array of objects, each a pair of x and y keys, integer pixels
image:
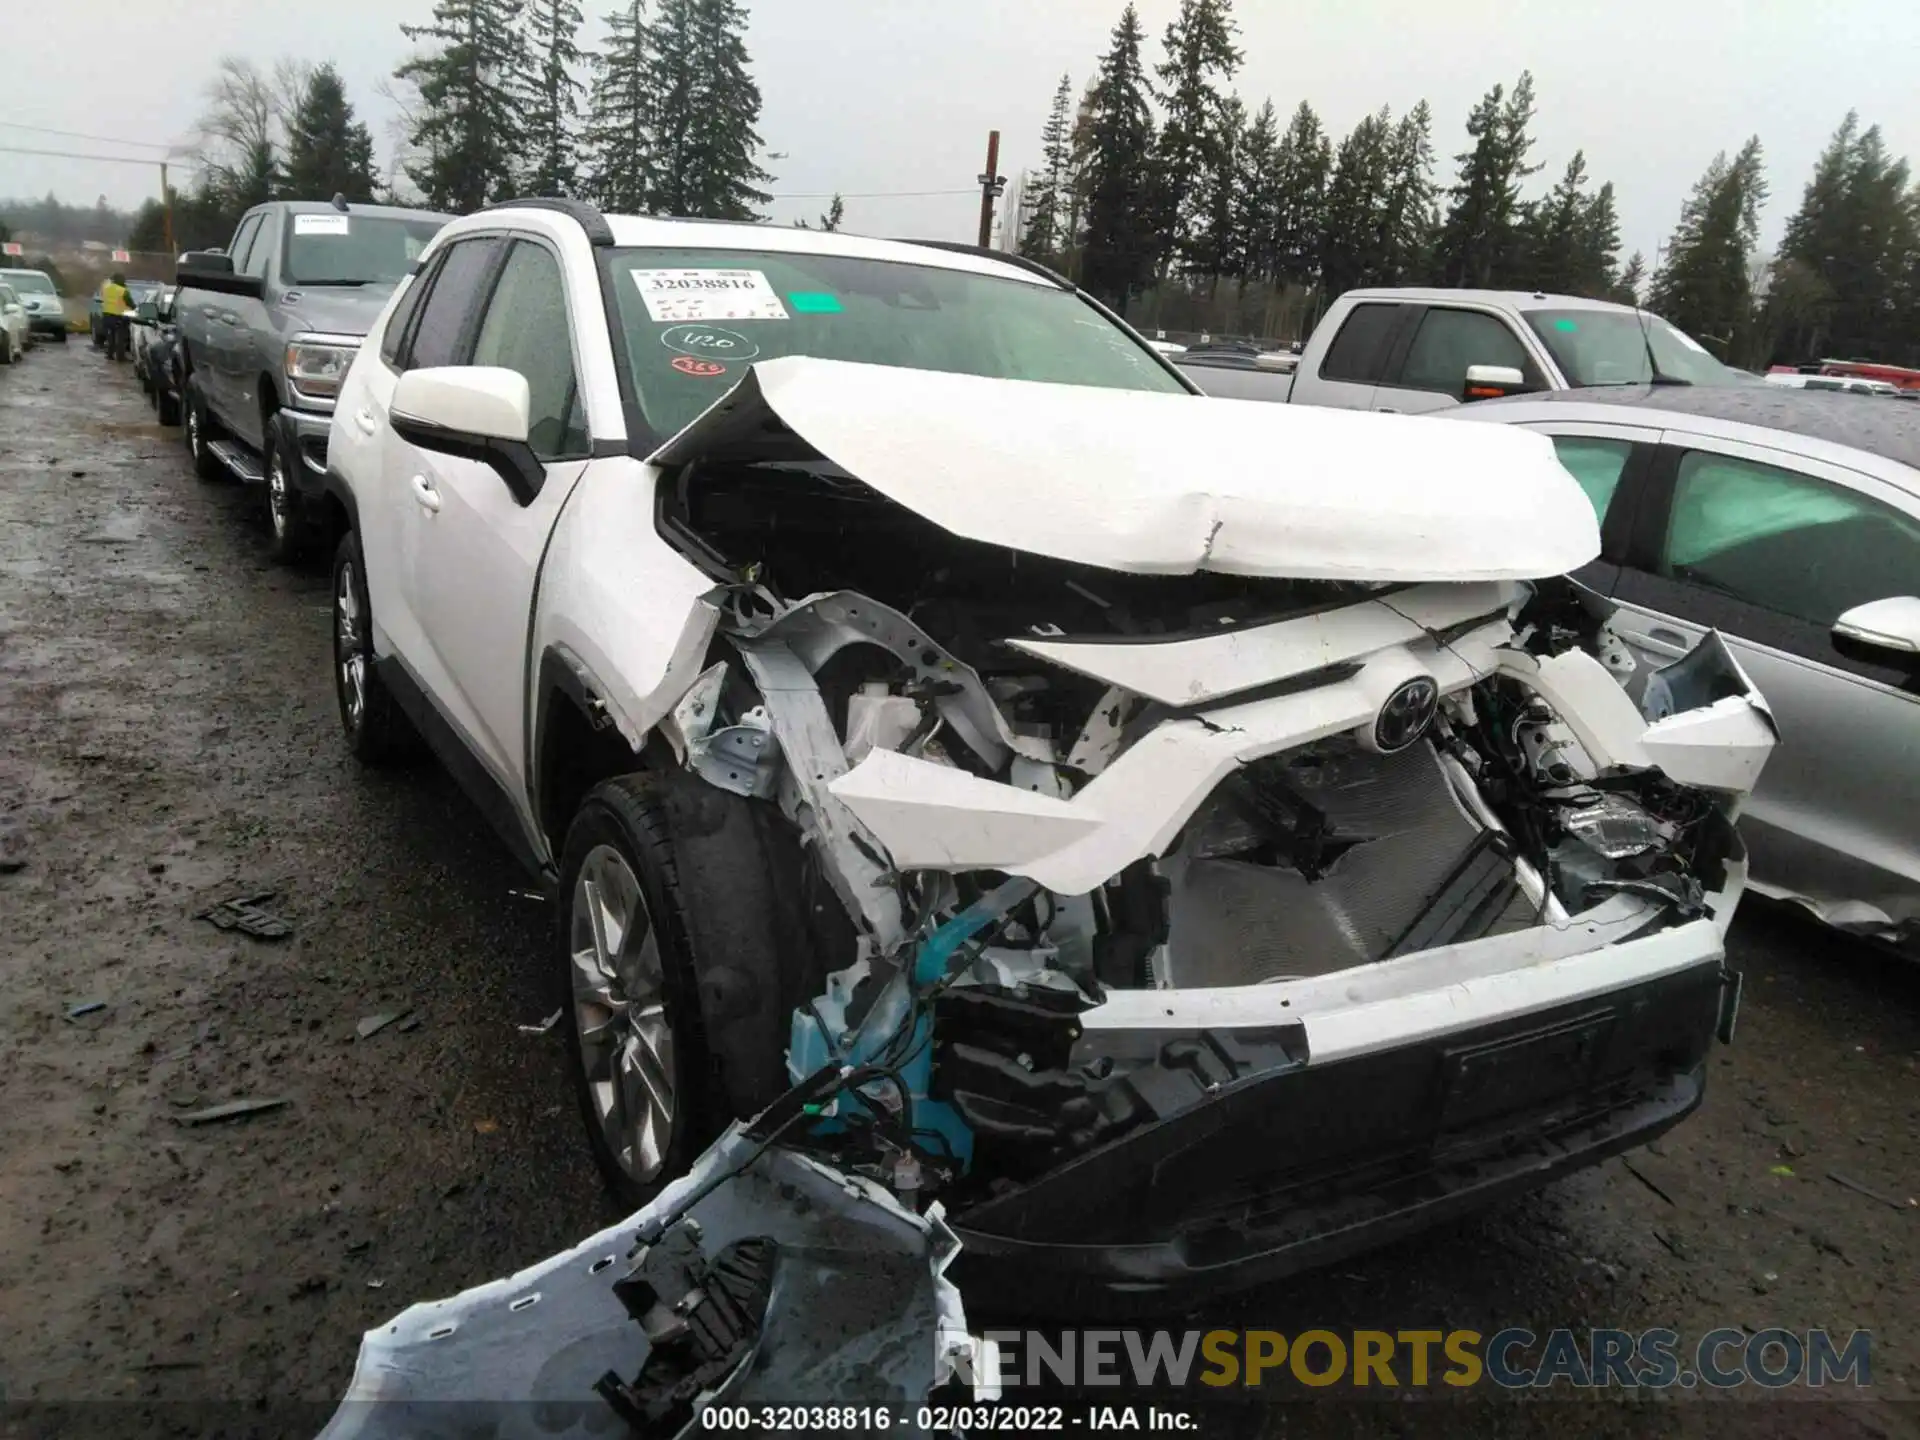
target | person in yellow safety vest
[{"x": 116, "y": 303}]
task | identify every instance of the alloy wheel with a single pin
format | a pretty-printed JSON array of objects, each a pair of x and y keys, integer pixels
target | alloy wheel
[
  {"x": 619, "y": 1009},
  {"x": 277, "y": 500},
  {"x": 349, "y": 648}
]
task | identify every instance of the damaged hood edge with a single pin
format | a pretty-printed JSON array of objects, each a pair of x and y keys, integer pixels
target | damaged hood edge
[{"x": 1164, "y": 483}]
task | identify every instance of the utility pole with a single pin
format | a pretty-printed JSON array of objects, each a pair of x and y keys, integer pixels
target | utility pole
[
  {"x": 166, "y": 212},
  {"x": 992, "y": 183}
]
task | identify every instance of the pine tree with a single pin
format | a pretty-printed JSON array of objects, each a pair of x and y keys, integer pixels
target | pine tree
[
  {"x": 468, "y": 128},
  {"x": 1258, "y": 201},
  {"x": 1633, "y": 280},
  {"x": 1118, "y": 253},
  {"x": 1481, "y": 240},
  {"x": 1409, "y": 219},
  {"x": 1047, "y": 195},
  {"x": 553, "y": 101},
  {"x": 618, "y": 140},
  {"x": 705, "y": 110},
  {"x": 1705, "y": 286},
  {"x": 1597, "y": 246},
  {"x": 1217, "y": 247},
  {"x": 1853, "y": 253},
  {"x": 1353, "y": 248},
  {"x": 328, "y": 151},
  {"x": 836, "y": 214},
  {"x": 1302, "y": 168},
  {"x": 1201, "y": 57}
]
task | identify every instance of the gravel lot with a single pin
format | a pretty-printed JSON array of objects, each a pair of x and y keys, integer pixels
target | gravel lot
[{"x": 168, "y": 740}]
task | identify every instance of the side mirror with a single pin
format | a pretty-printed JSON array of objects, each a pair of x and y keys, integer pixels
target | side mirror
[
  {"x": 1490, "y": 382},
  {"x": 1881, "y": 631},
  {"x": 213, "y": 270},
  {"x": 473, "y": 412}
]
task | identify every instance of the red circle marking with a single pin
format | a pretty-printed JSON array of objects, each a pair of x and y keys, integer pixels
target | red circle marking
[{"x": 687, "y": 365}]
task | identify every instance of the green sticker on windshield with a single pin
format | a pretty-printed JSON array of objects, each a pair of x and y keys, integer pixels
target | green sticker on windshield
[
  {"x": 1566, "y": 324},
  {"x": 813, "y": 302}
]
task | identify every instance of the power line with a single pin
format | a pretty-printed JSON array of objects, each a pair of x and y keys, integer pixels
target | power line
[
  {"x": 78, "y": 135},
  {"x": 863, "y": 194},
  {"x": 114, "y": 159}
]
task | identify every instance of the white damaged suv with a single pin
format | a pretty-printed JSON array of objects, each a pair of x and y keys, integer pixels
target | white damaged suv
[{"x": 1192, "y": 839}]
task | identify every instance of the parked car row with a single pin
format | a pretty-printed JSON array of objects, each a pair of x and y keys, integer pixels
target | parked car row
[{"x": 40, "y": 302}]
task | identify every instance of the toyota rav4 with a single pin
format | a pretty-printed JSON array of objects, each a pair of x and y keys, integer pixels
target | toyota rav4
[{"x": 1191, "y": 839}]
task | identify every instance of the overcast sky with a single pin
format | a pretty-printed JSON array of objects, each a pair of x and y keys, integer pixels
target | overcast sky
[{"x": 898, "y": 95}]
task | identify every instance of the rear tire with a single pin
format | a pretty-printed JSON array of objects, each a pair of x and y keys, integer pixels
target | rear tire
[
  {"x": 377, "y": 732},
  {"x": 198, "y": 431}
]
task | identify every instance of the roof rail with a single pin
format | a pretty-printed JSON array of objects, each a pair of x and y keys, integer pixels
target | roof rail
[
  {"x": 987, "y": 252},
  {"x": 591, "y": 220}
]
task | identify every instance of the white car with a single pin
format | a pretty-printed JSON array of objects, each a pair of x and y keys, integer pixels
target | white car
[
  {"x": 934, "y": 724},
  {"x": 16, "y": 336}
]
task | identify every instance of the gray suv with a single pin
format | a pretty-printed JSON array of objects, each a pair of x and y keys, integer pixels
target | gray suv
[{"x": 267, "y": 330}]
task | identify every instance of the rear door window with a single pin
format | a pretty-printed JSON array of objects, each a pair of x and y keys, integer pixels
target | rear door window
[{"x": 1359, "y": 349}]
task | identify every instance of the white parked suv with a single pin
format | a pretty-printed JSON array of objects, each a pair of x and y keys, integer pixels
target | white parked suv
[{"x": 1192, "y": 840}]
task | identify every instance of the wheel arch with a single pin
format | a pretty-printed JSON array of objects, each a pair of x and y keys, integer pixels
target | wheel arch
[{"x": 574, "y": 744}]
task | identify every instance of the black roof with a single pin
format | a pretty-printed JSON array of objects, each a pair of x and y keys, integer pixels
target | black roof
[{"x": 1876, "y": 424}]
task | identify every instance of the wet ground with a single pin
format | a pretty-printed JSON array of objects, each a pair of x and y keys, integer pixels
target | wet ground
[{"x": 168, "y": 740}]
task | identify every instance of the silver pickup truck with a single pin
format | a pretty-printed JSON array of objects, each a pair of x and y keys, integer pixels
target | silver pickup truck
[
  {"x": 267, "y": 330},
  {"x": 1410, "y": 351}
]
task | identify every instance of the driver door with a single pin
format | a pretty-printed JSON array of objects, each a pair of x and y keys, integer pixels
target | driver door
[
  {"x": 477, "y": 551},
  {"x": 1769, "y": 548}
]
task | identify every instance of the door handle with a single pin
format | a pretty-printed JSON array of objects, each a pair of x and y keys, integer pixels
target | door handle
[
  {"x": 1658, "y": 639},
  {"x": 363, "y": 417},
  {"x": 428, "y": 497}
]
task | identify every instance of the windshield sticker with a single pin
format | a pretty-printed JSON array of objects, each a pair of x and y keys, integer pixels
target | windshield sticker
[
  {"x": 1569, "y": 326},
  {"x": 710, "y": 342},
  {"x": 320, "y": 224},
  {"x": 679, "y": 295},
  {"x": 687, "y": 365},
  {"x": 813, "y": 302}
]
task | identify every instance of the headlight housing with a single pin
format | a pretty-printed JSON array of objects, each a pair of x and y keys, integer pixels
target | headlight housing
[{"x": 316, "y": 364}]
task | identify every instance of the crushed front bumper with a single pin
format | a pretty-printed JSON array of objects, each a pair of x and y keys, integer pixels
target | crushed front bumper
[{"x": 1296, "y": 1167}]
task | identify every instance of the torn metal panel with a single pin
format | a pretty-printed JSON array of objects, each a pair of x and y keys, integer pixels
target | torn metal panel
[
  {"x": 815, "y": 759},
  {"x": 1158, "y": 484},
  {"x": 857, "y": 1312},
  {"x": 1185, "y": 671}
]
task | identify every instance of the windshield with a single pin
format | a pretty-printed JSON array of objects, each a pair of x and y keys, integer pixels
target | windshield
[
  {"x": 336, "y": 249},
  {"x": 1609, "y": 347},
  {"x": 29, "y": 282},
  {"x": 694, "y": 320}
]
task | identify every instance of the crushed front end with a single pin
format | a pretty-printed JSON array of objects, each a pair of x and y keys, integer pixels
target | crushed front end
[{"x": 1200, "y": 927}]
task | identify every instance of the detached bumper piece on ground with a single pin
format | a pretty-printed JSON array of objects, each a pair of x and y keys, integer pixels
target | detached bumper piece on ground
[{"x": 763, "y": 1277}]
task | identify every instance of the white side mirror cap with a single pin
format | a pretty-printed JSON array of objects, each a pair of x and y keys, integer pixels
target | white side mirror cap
[
  {"x": 486, "y": 402},
  {"x": 1892, "y": 624}
]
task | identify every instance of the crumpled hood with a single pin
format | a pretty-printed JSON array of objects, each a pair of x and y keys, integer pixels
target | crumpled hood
[
  {"x": 336, "y": 309},
  {"x": 1167, "y": 484}
]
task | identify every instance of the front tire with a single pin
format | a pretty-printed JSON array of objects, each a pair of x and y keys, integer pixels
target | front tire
[
  {"x": 377, "y": 732},
  {"x": 683, "y": 948},
  {"x": 166, "y": 404},
  {"x": 289, "y": 531}
]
